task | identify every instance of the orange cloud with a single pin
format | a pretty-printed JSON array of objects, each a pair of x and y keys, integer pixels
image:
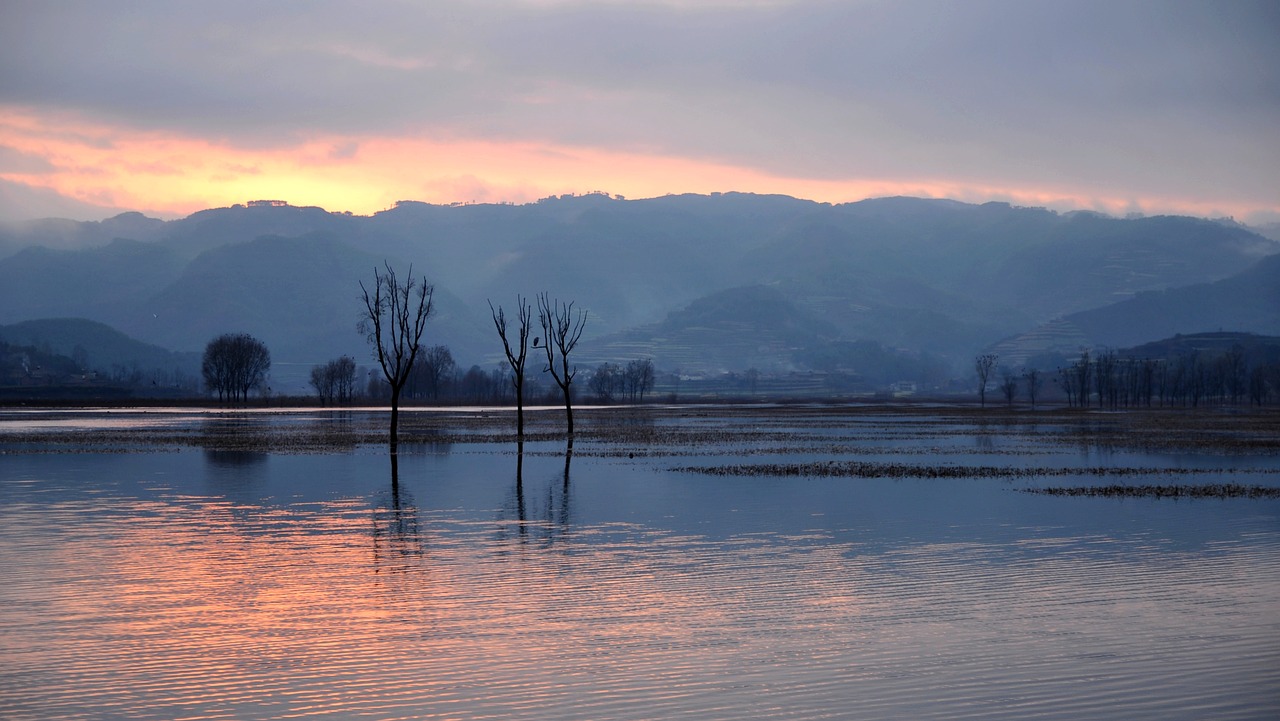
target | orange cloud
[{"x": 171, "y": 174}]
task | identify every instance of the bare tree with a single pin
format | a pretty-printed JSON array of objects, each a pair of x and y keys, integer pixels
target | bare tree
[
  {"x": 334, "y": 381},
  {"x": 344, "y": 378},
  {"x": 323, "y": 384},
  {"x": 639, "y": 378},
  {"x": 984, "y": 364},
  {"x": 1082, "y": 370},
  {"x": 516, "y": 355},
  {"x": 394, "y": 317},
  {"x": 476, "y": 385},
  {"x": 1235, "y": 373},
  {"x": 1035, "y": 379},
  {"x": 437, "y": 364},
  {"x": 607, "y": 379},
  {"x": 1258, "y": 391},
  {"x": 1008, "y": 386},
  {"x": 234, "y": 364},
  {"x": 562, "y": 329},
  {"x": 1105, "y": 378}
]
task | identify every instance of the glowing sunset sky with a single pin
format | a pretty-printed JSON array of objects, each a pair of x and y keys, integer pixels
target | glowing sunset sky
[{"x": 173, "y": 107}]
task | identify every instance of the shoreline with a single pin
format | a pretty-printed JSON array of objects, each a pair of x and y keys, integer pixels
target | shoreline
[{"x": 644, "y": 428}]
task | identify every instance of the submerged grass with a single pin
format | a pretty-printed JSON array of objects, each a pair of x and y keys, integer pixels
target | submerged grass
[
  {"x": 675, "y": 431},
  {"x": 846, "y": 435},
  {"x": 1212, "y": 490},
  {"x": 863, "y": 469}
]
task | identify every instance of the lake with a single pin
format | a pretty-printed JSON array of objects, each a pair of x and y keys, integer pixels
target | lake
[{"x": 193, "y": 564}]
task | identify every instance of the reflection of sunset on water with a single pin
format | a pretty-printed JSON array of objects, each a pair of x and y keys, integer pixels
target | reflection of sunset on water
[
  {"x": 208, "y": 609},
  {"x": 222, "y": 583}
]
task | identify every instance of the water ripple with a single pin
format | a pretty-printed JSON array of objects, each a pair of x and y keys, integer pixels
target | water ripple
[{"x": 190, "y": 607}]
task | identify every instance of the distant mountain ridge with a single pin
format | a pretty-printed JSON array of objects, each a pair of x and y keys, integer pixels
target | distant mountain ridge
[
  {"x": 62, "y": 234},
  {"x": 99, "y": 346},
  {"x": 918, "y": 276},
  {"x": 1249, "y": 300}
]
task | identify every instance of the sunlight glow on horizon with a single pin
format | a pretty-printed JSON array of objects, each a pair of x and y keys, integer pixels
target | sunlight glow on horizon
[{"x": 173, "y": 176}]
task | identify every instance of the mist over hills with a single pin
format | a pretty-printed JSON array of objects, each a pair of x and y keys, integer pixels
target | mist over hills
[
  {"x": 62, "y": 234},
  {"x": 97, "y": 345},
  {"x": 1248, "y": 300},
  {"x": 703, "y": 283}
]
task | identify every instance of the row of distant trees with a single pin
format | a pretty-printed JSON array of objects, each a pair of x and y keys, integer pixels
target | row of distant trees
[
  {"x": 396, "y": 313},
  {"x": 632, "y": 381},
  {"x": 31, "y": 366},
  {"x": 1108, "y": 379},
  {"x": 607, "y": 383},
  {"x": 1189, "y": 380},
  {"x": 235, "y": 364},
  {"x": 335, "y": 381},
  {"x": 434, "y": 377}
]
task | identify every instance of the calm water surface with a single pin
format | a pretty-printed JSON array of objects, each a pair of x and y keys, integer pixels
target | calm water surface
[{"x": 190, "y": 584}]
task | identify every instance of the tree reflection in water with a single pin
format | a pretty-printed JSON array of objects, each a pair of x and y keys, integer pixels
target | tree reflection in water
[
  {"x": 545, "y": 522},
  {"x": 397, "y": 533},
  {"x": 238, "y": 476}
]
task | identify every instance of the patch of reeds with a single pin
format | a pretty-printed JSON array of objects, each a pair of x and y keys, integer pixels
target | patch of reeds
[
  {"x": 864, "y": 469},
  {"x": 1211, "y": 490}
]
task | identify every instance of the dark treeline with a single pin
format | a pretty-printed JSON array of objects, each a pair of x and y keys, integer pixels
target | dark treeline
[
  {"x": 335, "y": 381},
  {"x": 437, "y": 379},
  {"x": 1233, "y": 376},
  {"x": 33, "y": 370},
  {"x": 234, "y": 364},
  {"x": 611, "y": 381}
]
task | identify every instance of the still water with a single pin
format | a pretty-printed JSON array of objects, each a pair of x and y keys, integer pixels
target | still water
[{"x": 192, "y": 584}]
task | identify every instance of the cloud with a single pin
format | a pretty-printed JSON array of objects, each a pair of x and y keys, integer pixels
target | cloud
[
  {"x": 13, "y": 160},
  {"x": 344, "y": 151},
  {"x": 19, "y": 201},
  {"x": 1136, "y": 100}
]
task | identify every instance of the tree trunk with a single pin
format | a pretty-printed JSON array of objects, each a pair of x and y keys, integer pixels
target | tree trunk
[
  {"x": 520, "y": 414},
  {"x": 568, "y": 410},
  {"x": 395, "y": 417}
]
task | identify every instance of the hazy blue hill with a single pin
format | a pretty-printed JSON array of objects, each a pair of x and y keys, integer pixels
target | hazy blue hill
[
  {"x": 1026, "y": 263},
  {"x": 1097, "y": 260},
  {"x": 756, "y": 309},
  {"x": 875, "y": 307},
  {"x": 892, "y": 270},
  {"x": 735, "y": 329},
  {"x": 1255, "y": 346},
  {"x": 940, "y": 276},
  {"x": 300, "y": 296},
  {"x": 104, "y": 283},
  {"x": 1268, "y": 230},
  {"x": 950, "y": 278},
  {"x": 289, "y": 292},
  {"x": 51, "y": 233},
  {"x": 944, "y": 239},
  {"x": 61, "y": 234},
  {"x": 213, "y": 228},
  {"x": 742, "y": 210},
  {"x": 627, "y": 263},
  {"x": 1246, "y": 302},
  {"x": 758, "y": 327},
  {"x": 471, "y": 244},
  {"x": 103, "y": 346}
]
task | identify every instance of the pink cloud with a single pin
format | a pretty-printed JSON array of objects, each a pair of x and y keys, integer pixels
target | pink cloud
[{"x": 176, "y": 174}]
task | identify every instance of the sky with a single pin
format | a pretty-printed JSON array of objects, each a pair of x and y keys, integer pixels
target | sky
[{"x": 172, "y": 107}]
